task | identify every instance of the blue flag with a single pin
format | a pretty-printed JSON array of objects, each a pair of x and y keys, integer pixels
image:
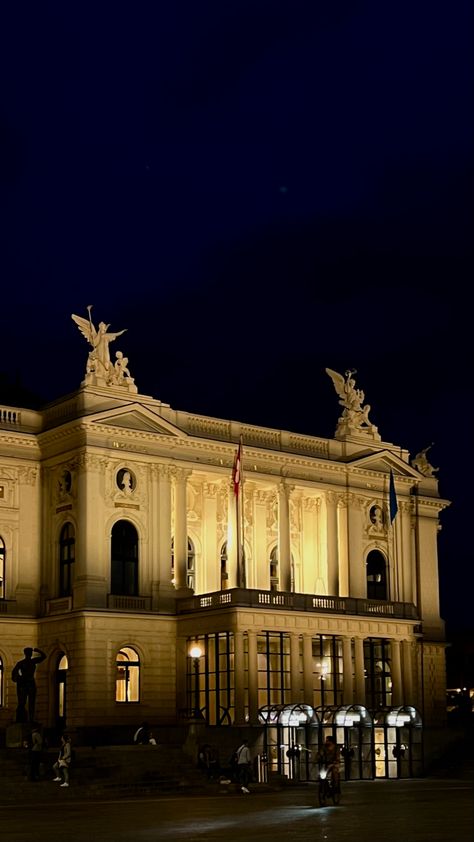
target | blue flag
[{"x": 392, "y": 499}]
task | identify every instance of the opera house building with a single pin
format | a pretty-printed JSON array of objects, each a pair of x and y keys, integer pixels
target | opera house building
[{"x": 176, "y": 568}]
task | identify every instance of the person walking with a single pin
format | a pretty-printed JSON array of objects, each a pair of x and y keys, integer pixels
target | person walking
[
  {"x": 64, "y": 760},
  {"x": 244, "y": 766}
]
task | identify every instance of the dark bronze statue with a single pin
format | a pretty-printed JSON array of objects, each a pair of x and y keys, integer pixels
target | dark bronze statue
[{"x": 23, "y": 674}]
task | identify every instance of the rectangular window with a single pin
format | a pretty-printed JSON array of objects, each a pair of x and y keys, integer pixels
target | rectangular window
[
  {"x": 213, "y": 673},
  {"x": 378, "y": 681},
  {"x": 327, "y": 670},
  {"x": 273, "y": 665}
]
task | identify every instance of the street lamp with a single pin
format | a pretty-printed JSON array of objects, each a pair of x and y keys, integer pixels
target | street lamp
[{"x": 195, "y": 653}]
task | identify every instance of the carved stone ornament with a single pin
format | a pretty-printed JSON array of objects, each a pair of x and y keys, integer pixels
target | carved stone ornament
[
  {"x": 420, "y": 462},
  {"x": 377, "y": 521},
  {"x": 355, "y": 415},
  {"x": 126, "y": 481},
  {"x": 64, "y": 484},
  {"x": 100, "y": 370}
]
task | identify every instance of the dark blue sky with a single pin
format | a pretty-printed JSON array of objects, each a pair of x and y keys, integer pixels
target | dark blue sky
[{"x": 256, "y": 190}]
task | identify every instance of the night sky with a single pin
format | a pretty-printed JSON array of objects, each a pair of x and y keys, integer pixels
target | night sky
[{"x": 255, "y": 190}]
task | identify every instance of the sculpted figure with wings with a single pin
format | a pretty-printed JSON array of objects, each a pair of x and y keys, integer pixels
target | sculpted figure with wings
[
  {"x": 355, "y": 416},
  {"x": 99, "y": 357},
  {"x": 421, "y": 463}
]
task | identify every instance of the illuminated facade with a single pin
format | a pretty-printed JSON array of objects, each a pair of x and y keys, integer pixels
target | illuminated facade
[{"x": 119, "y": 550}]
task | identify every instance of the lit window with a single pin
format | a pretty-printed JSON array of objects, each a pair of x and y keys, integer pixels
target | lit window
[
  {"x": 224, "y": 571},
  {"x": 127, "y": 680},
  {"x": 274, "y": 575},
  {"x": 190, "y": 565},
  {"x": 61, "y": 675}
]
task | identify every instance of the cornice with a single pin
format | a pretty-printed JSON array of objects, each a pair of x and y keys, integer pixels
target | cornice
[{"x": 20, "y": 440}]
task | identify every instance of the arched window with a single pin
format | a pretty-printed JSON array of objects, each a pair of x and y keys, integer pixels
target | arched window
[
  {"x": 67, "y": 551},
  {"x": 190, "y": 565},
  {"x": 124, "y": 572},
  {"x": 224, "y": 569},
  {"x": 376, "y": 576},
  {"x": 1, "y": 683},
  {"x": 274, "y": 574},
  {"x": 61, "y": 675},
  {"x": 127, "y": 681},
  {"x": 2, "y": 568}
]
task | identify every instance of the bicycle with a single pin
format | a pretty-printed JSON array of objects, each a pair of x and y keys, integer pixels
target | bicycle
[{"x": 329, "y": 787}]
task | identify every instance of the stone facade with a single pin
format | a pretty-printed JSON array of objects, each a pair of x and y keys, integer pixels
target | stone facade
[{"x": 118, "y": 533}]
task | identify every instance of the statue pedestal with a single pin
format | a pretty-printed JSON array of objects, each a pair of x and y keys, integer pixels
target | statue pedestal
[{"x": 17, "y": 734}]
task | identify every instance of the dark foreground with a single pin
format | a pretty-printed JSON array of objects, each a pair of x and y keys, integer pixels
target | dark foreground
[{"x": 392, "y": 811}]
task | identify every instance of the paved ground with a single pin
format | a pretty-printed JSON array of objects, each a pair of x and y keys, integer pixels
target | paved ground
[{"x": 422, "y": 810}]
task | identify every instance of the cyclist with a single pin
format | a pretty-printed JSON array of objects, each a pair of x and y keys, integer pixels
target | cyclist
[{"x": 330, "y": 756}]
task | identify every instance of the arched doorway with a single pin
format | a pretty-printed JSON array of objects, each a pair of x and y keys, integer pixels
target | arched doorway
[
  {"x": 351, "y": 727},
  {"x": 398, "y": 742},
  {"x": 290, "y": 740}
]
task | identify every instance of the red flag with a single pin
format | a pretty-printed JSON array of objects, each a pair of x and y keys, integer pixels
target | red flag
[{"x": 237, "y": 469}]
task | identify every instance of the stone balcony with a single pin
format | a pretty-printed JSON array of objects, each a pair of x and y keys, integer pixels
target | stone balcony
[{"x": 284, "y": 601}]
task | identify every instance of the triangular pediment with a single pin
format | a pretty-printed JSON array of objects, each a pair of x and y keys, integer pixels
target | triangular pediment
[
  {"x": 384, "y": 461},
  {"x": 138, "y": 418}
]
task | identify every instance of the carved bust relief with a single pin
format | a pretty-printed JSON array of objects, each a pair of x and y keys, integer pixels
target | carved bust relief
[
  {"x": 377, "y": 522},
  {"x": 126, "y": 481}
]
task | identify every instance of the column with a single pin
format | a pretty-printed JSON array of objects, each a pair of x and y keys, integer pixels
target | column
[
  {"x": 284, "y": 546},
  {"x": 261, "y": 561},
  {"x": 180, "y": 528},
  {"x": 295, "y": 670},
  {"x": 357, "y": 575},
  {"x": 396, "y": 673},
  {"x": 239, "y": 679},
  {"x": 359, "y": 671},
  {"x": 332, "y": 544},
  {"x": 93, "y": 554},
  {"x": 232, "y": 581},
  {"x": 164, "y": 593},
  {"x": 252, "y": 677},
  {"x": 406, "y": 591},
  {"x": 308, "y": 669},
  {"x": 407, "y": 672},
  {"x": 347, "y": 677},
  {"x": 211, "y": 579},
  {"x": 27, "y": 586}
]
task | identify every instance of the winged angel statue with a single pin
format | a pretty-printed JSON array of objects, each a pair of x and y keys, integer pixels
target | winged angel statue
[
  {"x": 355, "y": 416},
  {"x": 100, "y": 370}
]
